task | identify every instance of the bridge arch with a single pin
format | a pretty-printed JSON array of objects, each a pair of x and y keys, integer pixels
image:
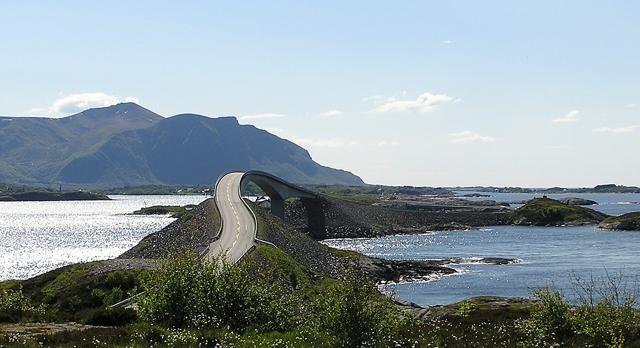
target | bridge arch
[{"x": 277, "y": 189}]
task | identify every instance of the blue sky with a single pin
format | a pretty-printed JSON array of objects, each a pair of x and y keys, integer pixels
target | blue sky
[{"x": 537, "y": 93}]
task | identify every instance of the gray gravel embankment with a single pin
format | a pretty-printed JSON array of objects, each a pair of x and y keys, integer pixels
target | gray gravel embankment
[
  {"x": 342, "y": 219},
  {"x": 193, "y": 231}
]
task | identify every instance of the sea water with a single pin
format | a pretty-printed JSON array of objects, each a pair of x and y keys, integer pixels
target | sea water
[
  {"x": 547, "y": 256},
  {"x": 36, "y": 237}
]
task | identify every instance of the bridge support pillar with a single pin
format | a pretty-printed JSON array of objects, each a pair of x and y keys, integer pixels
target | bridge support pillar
[{"x": 277, "y": 207}]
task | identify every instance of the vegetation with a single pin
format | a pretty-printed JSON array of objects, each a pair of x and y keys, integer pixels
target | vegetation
[
  {"x": 15, "y": 306},
  {"x": 189, "y": 294},
  {"x": 271, "y": 300},
  {"x": 73, "y": 293},
  {"x": 550, "y": 212},
  {"x": 603, "y": 323},
  {"x": 630, "y": 221},
  {"x": 179, "y": 212}
]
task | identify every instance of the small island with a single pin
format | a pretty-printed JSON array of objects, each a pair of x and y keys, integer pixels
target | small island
[
  {"x": 176, "y": 211},
  {"x": 550, "y": 212},
  {"x": 626, "y": 222},
  {"x": 45, "y": 196},
  {"x": 577, "y": 201}
]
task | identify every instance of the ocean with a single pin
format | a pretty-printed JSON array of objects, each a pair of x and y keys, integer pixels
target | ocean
[
  {"x": 36, "y": 237},
  {"x": 547, "y": 256}
]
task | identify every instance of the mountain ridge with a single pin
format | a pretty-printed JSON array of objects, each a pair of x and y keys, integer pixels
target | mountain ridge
[{"x": 126, "y": 144}]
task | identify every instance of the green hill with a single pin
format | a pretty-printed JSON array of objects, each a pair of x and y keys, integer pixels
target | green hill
[
  {"x": 550, "y": 212},
  {"x": 629, "y": 222}
]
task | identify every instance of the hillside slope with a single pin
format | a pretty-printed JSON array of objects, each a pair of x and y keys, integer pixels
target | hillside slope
[
  {"x": 194, "y": 149},
  {"x": 126, "y": 144},
  {"x": 550, "y": 212},
  {"x": 34, "y": 149}
]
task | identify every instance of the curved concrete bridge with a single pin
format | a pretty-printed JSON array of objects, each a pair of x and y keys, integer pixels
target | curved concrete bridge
[{"x": 239, "y": 225}]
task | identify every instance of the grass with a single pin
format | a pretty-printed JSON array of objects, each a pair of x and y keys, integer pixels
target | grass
[
  {"x": 179, "y": 212},
  {"x": 278, "y": 302},
  {"x": 550, "y": 212},
  {"x": 630, "y": 221},
  {"x": 270, "y": 299},
  {"x": 77, "y": 292}
]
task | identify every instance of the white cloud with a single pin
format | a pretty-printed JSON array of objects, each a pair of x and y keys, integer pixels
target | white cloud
[
  {"x": 426, "y": 102},
  {"x": 328, "y": 143},
  {"x": 570, "y": 117},
  {"x": 469, "y": 137},
  {"x": 447, "y": 42},
  {"x": 263, "y": 116},
  {"x": 331, "y": 113},
  {"x": 387, "y": 143},
  {"x": 632, "y": 105},
  {"x": 74, "y": 103},
  {"x": 376, "y": 99},
  {"x": 616, "y": 130}
]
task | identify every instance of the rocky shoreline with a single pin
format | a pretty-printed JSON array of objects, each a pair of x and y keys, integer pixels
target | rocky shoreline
[
  {"x": 419, "y": 270},
  {"x": 45, "y": 196},
  {"x": 626, "y": 222},
  {"x": 328, "y": 218}
]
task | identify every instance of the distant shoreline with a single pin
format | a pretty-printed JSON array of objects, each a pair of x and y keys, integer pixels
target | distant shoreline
[{"x": 37, "y": 196}]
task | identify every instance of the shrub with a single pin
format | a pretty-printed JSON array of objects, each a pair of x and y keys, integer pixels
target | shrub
[
  {"x": 605, "y": 317},
  {"x": 550, "y": 319},
  {"x": 355, "y": 314},
  {"x": 15, "y": 307},
  {"x": 189, "y": 292},
  {"x": 466, "y": 309}
]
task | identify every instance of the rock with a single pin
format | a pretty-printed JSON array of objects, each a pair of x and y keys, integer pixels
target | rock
[
  {"x": 550, "y": 212},
  {"x": 577, "y": 201},
  {"x": 342, "y": 219},
  {"x": 626, "y": 222},
  {"x": 450, "y": 226},
  {"x": 485, "y": 260},
  {"x": 403, "y": 270},
  {"x": 475, "y": 195},
  {"x": 43, "y": 196}
]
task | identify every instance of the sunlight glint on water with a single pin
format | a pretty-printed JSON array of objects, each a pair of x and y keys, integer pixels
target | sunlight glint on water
[{"x": 39, "y": 236}]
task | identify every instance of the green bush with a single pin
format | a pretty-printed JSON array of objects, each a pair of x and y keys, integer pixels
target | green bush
[
  {"x": 550, "y": 320},
  {"x": 16, "y": 307},
  {"x": 189, "y": 292},
  {"x": 355, "y": 314},
  {"x": 606, "y": 317},
  {"x": 466, "y": 309}
]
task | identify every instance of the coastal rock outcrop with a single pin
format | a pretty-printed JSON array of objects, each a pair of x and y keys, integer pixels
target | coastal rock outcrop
[
  {"x": 328, "y": 218},
  {"x": 626, "y": 222},
  {"x": 45, "y": 196},
  {"x": 577, "y": 201},
  {"x": 550, "y": 212}
]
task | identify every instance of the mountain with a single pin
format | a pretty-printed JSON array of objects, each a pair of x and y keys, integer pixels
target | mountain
[
  {"x": 33, "y": 149},
  {"x": 127, "y": 144}
]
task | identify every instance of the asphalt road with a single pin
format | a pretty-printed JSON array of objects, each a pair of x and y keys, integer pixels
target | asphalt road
[{"x": 238, "y": 227}]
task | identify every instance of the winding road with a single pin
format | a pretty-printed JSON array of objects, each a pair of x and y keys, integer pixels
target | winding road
[{"x": 238, "y": 232}]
